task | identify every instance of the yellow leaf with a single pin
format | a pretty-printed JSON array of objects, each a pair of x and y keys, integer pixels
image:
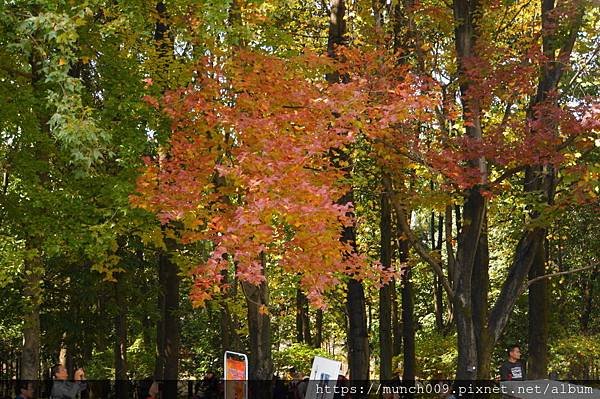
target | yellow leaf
[
  {"x": 263, "y": 310},
  {"x": 62, "y": 61}
]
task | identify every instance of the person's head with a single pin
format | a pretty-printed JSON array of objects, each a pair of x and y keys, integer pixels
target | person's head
[
  {"x": 25, "y": 389},
  {"x": 154, "y": 389},
  {"x": 209, "y": 375},
  {"x": 59, "y": 372},
  {"x": 514, "y": 352},
  {"x": 293, "y": 372}
]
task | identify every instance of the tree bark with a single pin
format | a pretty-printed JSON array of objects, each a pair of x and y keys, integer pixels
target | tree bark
[
  {"x": 358, "y": 339},
  {"x": 162, "y": 44},
  {"x": 120, "y": 345},
  {"x": 171, "y": 324},
  {"x": 230, "y": 341},
  {"x": 479, "y": 297},
  {"x": 588, "y": 296},
  {"x": 337, "y": 27},
  {"x": 302, "y": 318},
  {"x": 538, "y": 319},
  {"x": 468, "y": 245},
  {"x": 408, "y": 321},
  {"x": 146, "y": 286},
  {"x": 358, "y": 342},
  {"x": 385, "y": 292},
  {"x": 159, "y": 363},
  {"x": 318, "y": 329},
  {"x": 259, "y": 326},
  {"x": 450, "y": 259},
  {"x": 396, "y": 322},
  {"x": 168, "y": 327},
  {"x": 34, "y": 267},
  {"x": 513, "y": 285},
  {"x": 437, "y": 283},
  {"x": 465, "y": 12},
  {"x": 299, "y": 329},
  {"x": 30, "y": 358}
]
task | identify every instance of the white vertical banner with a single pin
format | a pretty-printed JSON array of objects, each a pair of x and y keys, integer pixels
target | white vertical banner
[{"x": 323, "y": 378}]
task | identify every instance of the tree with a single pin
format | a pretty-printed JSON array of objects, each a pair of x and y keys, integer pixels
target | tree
[{"x": 476, "y": 336}]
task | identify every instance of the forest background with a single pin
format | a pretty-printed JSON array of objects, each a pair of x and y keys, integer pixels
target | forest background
[{"x": 406, "y": 185}]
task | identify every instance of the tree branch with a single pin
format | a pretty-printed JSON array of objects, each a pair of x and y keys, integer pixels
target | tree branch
[
  {"x": 15, "y": 72},
  {"x": 416, "y": 243},
  {"x": 449, "y": 246},
  {"x": 508, "y": 173},
  {"x": 535, "y": 280},
  {"x": 583, "y": 67},
  {"x": 5, "y": 182},
  {"x": 511, "y": 289}
]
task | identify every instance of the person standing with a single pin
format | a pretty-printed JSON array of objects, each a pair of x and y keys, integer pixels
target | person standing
[
  {"x": 513, "y": 369},
  {"x": 279, "y": 388},
  {"x": 148, "y": 389},
  {"x": 208, "y": 387},
  {"x": 63, "y": 389}
]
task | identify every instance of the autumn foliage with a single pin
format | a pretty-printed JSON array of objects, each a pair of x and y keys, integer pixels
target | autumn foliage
[
  {"x": 251, "y": 165},
  {"x": 250, "y": 168}
]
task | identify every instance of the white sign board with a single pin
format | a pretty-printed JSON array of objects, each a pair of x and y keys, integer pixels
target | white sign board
[
  {"x": 323, "y": 378},
  {"x": 236, "y": 375}
]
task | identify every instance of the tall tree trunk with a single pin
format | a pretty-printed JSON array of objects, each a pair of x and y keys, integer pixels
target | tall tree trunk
[
  {"x": 259, "y": 327},
  {"x": 479, "y": 297},
  {"x": 438, "y": 300},
  {"x": 408, "y": 317},
  {"x": 358, "y": 342},
  {"x": 318, "y": 339},
  {"x": 163, "y": 45},
  {"x": 299, "y": 304},
  {"x": 378, "y": 7},
  {"x": 226, "y": 333},
  {"x": 302, "y": 318},
  {"x": 168, "y": 327},
  {"x": 159, "y": 362},
  {"x": 337, "y": 30},
  {"x": 385, "y": 292},
  {"x": 34, "y": 266},
  {"x": 230, "y": 341},
  {"x": 451, "y": 260},
  {"x": 438, "y": 303},
  {"x": 306, "y": 322},
  {"x": 467, "y": 254},
  {"x": 145, "y": 320},
  {"x": 120, "y": 345},
  {"x": 465, "y": 14},
  {"x": 540, "y": 178},
  {"x": 396, "y": 322},
  {"x": 30, "y": 358},
  {"x": 588, "y": 296},
  {"x": 538, "y": 319},
  {"x": 171, "y": 324},
  {"x": 358, "y": 339}
]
